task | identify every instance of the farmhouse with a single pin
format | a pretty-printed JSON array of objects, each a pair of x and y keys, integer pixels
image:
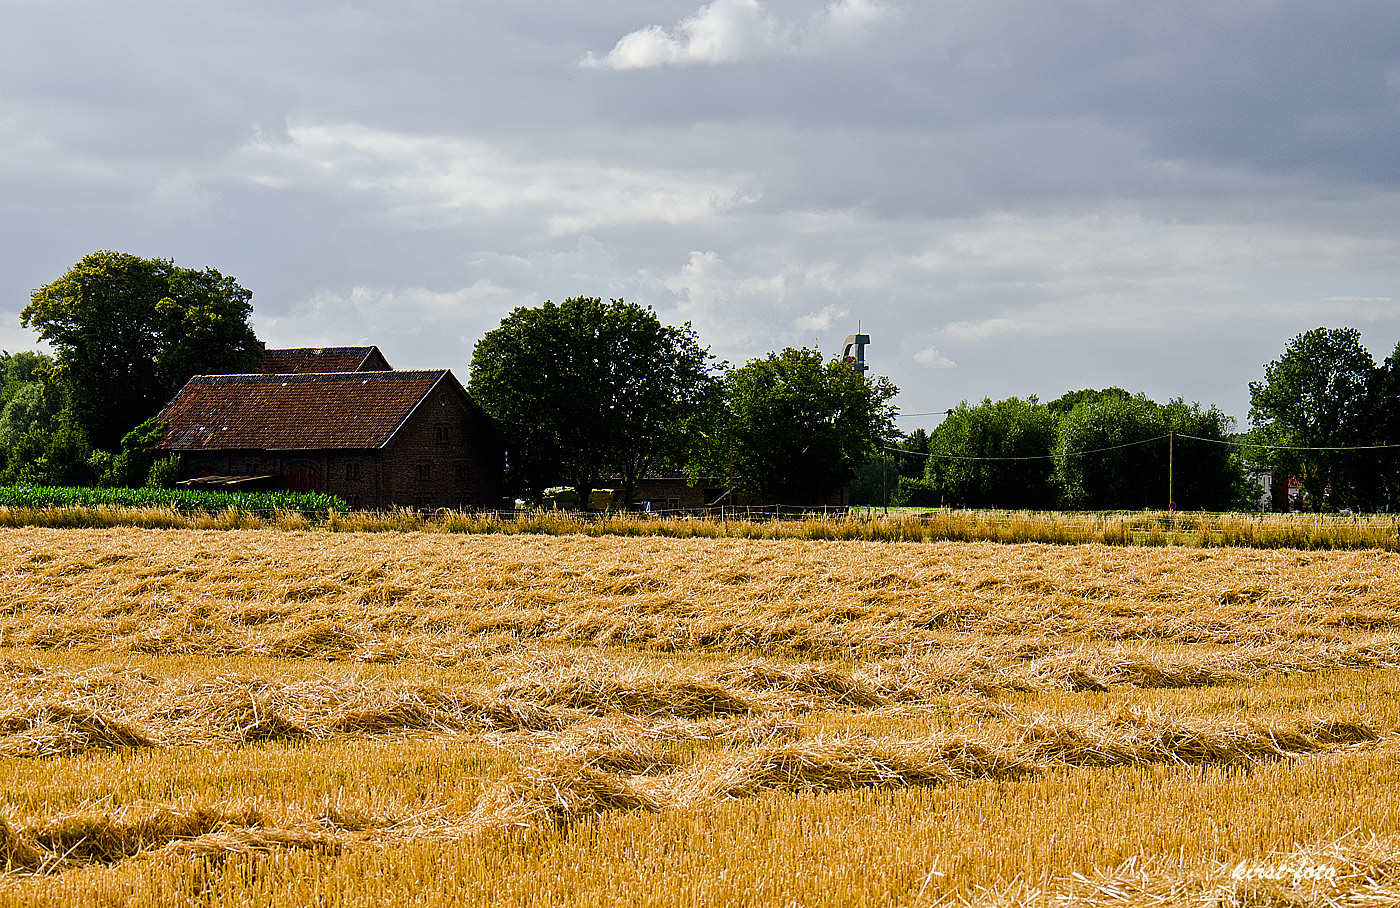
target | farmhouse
[{"x": 378, "y": 439}]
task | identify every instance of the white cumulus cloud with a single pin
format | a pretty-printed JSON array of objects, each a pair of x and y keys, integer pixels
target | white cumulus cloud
[
  {"x": 727, "y": 307},
  {"x": 731, "y": 31},
  {"x": 822, "y": 320},
  {"x": 933, "y": 359}
]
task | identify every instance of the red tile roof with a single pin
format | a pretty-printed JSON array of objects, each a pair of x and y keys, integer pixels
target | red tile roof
[
  {"x": 299, "y": 360},
  {"x": 357, "y": 410}
]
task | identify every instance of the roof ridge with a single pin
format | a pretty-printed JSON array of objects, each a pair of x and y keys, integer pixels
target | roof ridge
[
  {"x": 308, "y": 377},
  {"x": 337, "y": 349}
]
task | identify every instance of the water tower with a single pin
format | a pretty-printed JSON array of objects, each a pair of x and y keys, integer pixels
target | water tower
[{"x": 854, "y": 353}]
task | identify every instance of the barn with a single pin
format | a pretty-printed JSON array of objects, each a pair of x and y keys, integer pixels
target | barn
[
  {"x": 298, "y": 360},
  {"x": 378, "y": 439}
]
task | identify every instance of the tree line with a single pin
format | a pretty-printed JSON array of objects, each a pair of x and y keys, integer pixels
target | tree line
[
  {"x": 585, "y": 392},
  {"x": 1325, "y": 423},
  {"x": 1087, "y": 450},
  {"x": 589, "y": 393}
]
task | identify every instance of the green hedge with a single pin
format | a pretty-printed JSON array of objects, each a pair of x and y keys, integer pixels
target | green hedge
[{"x": 309, "y": 504}]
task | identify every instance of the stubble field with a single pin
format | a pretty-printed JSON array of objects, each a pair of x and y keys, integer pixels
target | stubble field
[{"x": 257, "y": 717}]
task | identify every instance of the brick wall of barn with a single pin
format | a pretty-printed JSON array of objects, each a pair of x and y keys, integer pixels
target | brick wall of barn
[{"x": 447, "y": 455}]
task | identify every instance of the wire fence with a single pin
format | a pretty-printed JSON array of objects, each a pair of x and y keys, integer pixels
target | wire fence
[{"x": 1150, "y": 528}]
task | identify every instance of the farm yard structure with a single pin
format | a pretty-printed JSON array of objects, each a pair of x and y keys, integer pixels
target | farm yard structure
[
  {"x": 674, "y": 490},
  {"x": 377, "y": 439}
]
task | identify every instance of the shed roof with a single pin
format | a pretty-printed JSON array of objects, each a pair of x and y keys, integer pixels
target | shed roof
[
  {"x": 299, "y": 360},
  {"x": 314, "y": 411}
]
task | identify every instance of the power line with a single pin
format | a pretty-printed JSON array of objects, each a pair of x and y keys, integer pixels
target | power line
[
  {"x": 1129, "y": 444},
  {"x": 1250, "y": 444}
]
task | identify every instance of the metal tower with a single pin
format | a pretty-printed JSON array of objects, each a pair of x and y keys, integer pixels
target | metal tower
[{"x": 856, "y": 360}]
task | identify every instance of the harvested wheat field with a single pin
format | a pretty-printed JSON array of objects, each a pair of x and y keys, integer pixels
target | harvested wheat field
[{"x": 247, "y": 717}]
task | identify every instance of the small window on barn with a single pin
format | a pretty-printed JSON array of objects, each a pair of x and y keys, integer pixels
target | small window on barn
[
  {"x": 459, "y": 471},
  {"x": 423, "y": 471},
  {"x": 444, "y": 433},
  {"x": 352, "y": 470}
]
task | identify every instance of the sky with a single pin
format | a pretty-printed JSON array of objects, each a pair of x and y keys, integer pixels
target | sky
[{"x": 1011, "y": 197}]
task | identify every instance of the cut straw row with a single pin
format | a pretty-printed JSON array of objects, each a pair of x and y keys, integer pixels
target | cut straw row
[
  {"x": 580, "y": 778},
  {"x": 566, "y": 786}
]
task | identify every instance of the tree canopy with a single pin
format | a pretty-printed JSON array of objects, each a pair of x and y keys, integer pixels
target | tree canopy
[
  {"x": 26, "y": 410},
  {"x": 129, "y": 331},
  {"x": 1087, "y": 450},
  {"x": 1318, "y": 394},
  {"x": 584, "y": 388},
  {"x": 1119, "y": 453},
  {"x": 24, "y": 405},
  {"x": 1010, "y": 441},
  {"x": 18, "y": 369},
  {"x": 1385, "y": 407},
  {"x": 793, "y": 429}
]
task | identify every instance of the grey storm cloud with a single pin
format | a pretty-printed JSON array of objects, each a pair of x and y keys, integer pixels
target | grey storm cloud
[{"x": 1015, "y": 198}]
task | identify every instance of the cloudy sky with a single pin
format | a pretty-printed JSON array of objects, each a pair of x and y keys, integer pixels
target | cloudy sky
[{"x": 1012, "y": 197}]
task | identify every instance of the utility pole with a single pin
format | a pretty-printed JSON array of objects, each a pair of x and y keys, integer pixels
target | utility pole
[
  {"x": 1171, "y": 472},
  {"x": 885, "y": 477}
]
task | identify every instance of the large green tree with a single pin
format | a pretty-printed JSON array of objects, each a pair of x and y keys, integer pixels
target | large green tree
[
  {"x": 792, "y": 428},
  {"x": 24, "y": 405},
  {"x": 1129, "y": 453},
  {"x": 129, "y": 331},
  {"x": 19, "y": 369},
  {"x": 995, "y": 455},
  {"x": 26, "y": 410},
  {"x": 1385, "y": 409},
  {"x": 1318, "y": 395},
  {"x": 583, "y": 389}
]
